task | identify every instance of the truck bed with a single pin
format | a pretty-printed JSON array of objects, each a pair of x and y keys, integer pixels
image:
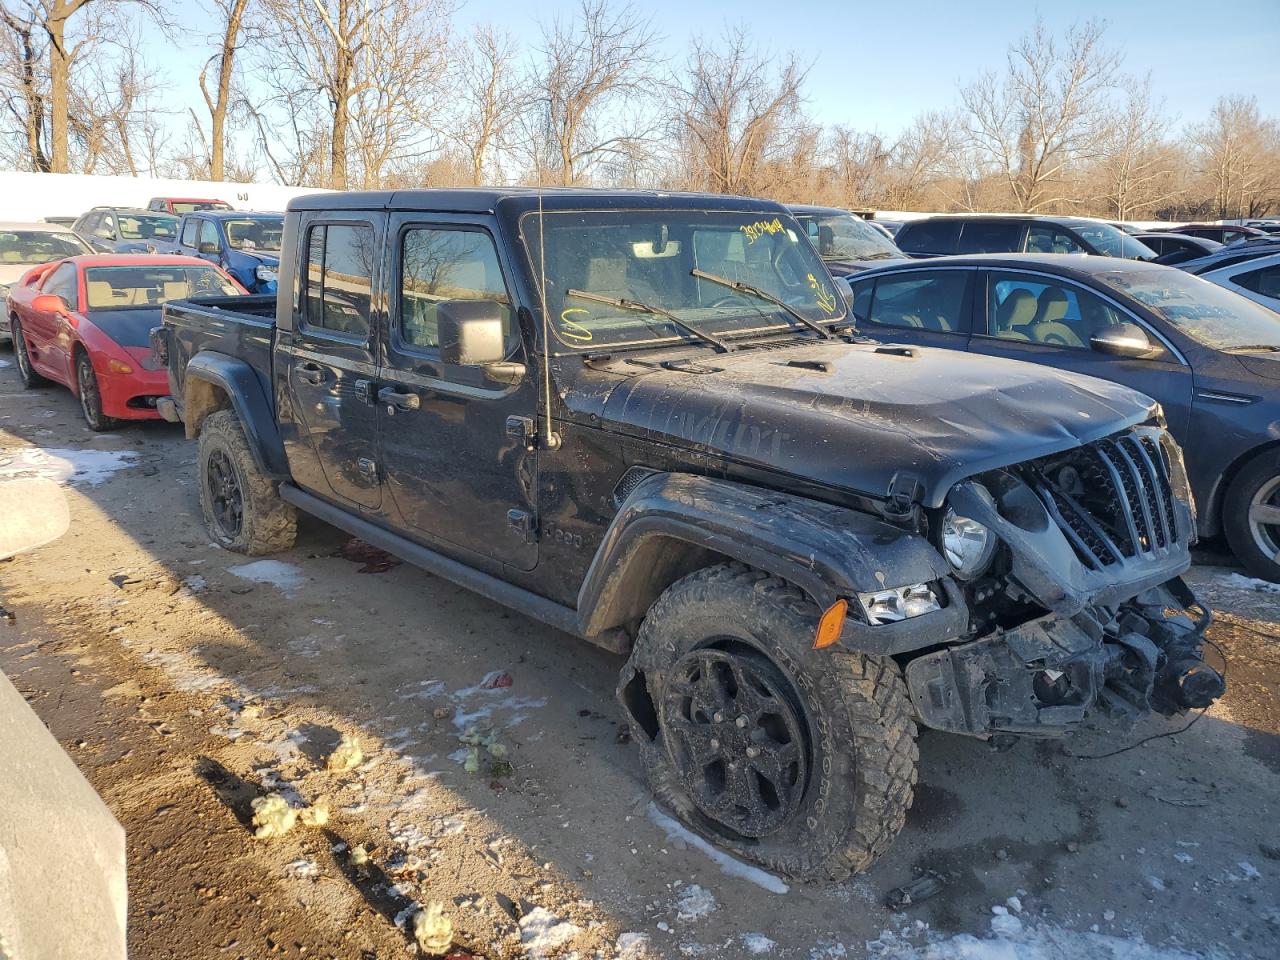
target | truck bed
[{"x": 241, "y": 327}]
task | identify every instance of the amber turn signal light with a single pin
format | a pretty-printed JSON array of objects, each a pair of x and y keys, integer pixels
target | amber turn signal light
[
  {"x": 830, "y": 624},
  {"x": 118, "y": 366}
]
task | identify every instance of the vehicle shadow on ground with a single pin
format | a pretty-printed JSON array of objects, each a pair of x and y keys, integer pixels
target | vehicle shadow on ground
[{"x": 1076, "y": 840}]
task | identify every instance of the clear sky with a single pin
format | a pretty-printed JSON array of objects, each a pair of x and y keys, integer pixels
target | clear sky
[{"x": 875, "y": 65}]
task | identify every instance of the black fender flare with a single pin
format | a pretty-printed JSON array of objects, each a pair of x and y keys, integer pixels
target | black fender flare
[
  {"x": 238, "y": 380},
  {"x": 671, "y": 522}
]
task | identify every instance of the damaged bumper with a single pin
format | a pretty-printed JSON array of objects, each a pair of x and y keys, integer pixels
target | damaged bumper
[{"x": 1042, "y": 678}]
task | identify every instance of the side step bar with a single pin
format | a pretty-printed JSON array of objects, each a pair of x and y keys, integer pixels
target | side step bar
[{"x": 548, "y": 611}]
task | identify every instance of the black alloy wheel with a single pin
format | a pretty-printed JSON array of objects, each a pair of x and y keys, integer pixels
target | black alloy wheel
[{"x": 225, "y": 495}]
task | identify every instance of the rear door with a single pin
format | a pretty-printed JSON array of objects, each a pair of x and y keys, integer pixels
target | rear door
[
  {"x": 456, "y": 469},
  {"x": 1050, "y": 320},
  {"x": 929, "y": 307},
  {"x": 330, "y": 359}
]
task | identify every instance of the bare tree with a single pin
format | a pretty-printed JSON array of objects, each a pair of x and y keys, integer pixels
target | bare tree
[
  {"x": 1047, "y": 111},
  {"x": 1237, "y": 152},
  {"x": 231, "y": 17},
  {"x": 1136, "y": 170},
  {"x": 737, "y": 107},
  {"x": 26, "y": 93},
  {"x": 599, "y": 64},
  {"x": 491, "y": 96}
]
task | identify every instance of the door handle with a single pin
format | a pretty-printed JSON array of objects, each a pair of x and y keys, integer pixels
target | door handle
[
  {"x": 400, "y": 401},
  {"x": 310, "y": 373}
]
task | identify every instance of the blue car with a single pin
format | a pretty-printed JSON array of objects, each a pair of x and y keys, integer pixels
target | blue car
[
  {"x": 1209, "y": 356},
  {"x": 246, "y": 245}
]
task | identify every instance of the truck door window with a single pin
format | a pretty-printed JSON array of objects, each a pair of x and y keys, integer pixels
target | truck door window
[
  {"x": 189, "y": 232},
  {"x": 339, "y": 284},
  {"x": 209, "y": 234},
  {"x": 923, "y": 301},
  {"x": 446, "y": 264}
]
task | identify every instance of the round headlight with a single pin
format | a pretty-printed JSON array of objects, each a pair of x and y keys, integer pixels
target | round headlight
[{"x": 967, "y": 544}]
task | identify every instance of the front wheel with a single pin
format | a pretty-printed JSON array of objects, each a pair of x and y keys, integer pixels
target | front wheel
[
  {"x": 799, "y": 760},
  {"x": 242, "y": 507},
  {"x": 1251, "y": 516},
  {"x": 90, "y": 395}
]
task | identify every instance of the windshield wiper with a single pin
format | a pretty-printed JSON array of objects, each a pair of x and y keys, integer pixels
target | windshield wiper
[
  {"x": 763, "y": 295},
  {"x": 1251, "y": 347},
  {"x": 638, "y": 307}
]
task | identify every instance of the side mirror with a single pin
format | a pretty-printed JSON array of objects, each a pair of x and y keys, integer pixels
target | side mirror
[
  {"x": 208, "y": 246},
  {"x": 846, "y": 291},
  {"x": 1123, "y": 340},
  {"x": 471, "y": 335},
  {"x": 49, "y": 303}
]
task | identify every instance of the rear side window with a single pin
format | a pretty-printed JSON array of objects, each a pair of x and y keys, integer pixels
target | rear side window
[
  {"x": 931, "y": 300},
  {"x": 1265, "y": 281},
  {"x": 339, "y": 278},
  {"x": 929, "y": 236},
  {"x": 990, "y": 236}
]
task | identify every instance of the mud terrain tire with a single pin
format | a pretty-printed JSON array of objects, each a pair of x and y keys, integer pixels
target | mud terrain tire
[
  {"x": 242, "y": 508},
  {"x": 849, "y": 796}
]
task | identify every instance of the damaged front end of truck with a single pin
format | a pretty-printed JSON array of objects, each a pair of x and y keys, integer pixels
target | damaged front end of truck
[{"x": 1070, "y": 566}]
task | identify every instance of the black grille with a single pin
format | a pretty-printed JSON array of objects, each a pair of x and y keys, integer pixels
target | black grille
[{"x": 1113, "y": 499}]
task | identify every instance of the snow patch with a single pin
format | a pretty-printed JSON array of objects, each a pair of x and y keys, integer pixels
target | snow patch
[
  {"x": 694, "y": 903},
  {"x": 1028, "y": 942},
  {"x": 542, "y": 932},
  {"x": 632, "y": 946},
  {"x": 727, "y": 864},
  {"x": 90, "y": 467},
  {"x": 757, "y": 943},
  {"x": 286, "y": 577},
  {"x": 1238, "y": 581}
]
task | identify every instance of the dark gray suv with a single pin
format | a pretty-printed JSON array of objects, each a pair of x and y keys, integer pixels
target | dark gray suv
[{"x": 946, "y": 235}]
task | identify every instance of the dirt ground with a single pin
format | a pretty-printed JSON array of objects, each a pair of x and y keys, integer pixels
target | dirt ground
[{"x": 184, "y": 685}]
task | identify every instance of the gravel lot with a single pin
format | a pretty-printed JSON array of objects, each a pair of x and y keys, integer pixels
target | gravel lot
[{"x": 185, "y": 681}]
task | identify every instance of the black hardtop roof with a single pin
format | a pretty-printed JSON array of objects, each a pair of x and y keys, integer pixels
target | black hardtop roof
[
  {"x": 488, "y": 199},
  {"x": 1063, "y": 264},
  {"x": 232, "y": 214},
  {"x": 1039, "y": 217}
]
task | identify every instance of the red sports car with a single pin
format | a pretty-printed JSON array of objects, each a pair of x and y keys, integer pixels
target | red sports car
[{"x": 84, "y": 322}]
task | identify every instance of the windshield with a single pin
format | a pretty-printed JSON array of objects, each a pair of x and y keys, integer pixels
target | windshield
[
  {"x": 648, "y": 256},
  {"x": 147, "y": 226},
  {"x": 38, "y": 246},
  {"x": 192, "y": 206},
  {"x": 1204, "y": 311},
  {"x": 844, "y": 236},
  {"x": 134, "y": 288},
  {"x": 254, "y": 233},
  {"x": 1111, "y": 242}
]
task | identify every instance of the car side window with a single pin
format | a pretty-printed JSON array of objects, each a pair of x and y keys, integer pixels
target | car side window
[
  {"x": 189, "y": 232},
  {"x": 106, "y": 227},
  {"x": 929, "y": 236},
  {"x": 62, "y": 283},
  {"x": 990, "y": 236},
  {"x": 932, "y": 300},
  {"x": 209, "y": 233},
  {"x": 862, "y": 298},
  {"x": 1035, "y": 310},
  {"x": 339, "y": 277},
  {"x": 439, "y": 264},
  {"x": 1265, "y": 281},
  {"x": 1046, "y": 238}
]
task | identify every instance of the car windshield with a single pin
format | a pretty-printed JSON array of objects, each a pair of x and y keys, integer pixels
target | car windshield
[
  {"x": 1204, "y": 311},
  {"x": 38, "y": 246},
  {"x": 147, "y": 226},
  {"x": 133, "y": 288},
  {"x": 844, "y": 236},
  {"x": 192, "y": 206},
  {"x": 254, "y": 233},
  {"x": 648, "y": 256},
  {"x": 1111, "y": 242}
]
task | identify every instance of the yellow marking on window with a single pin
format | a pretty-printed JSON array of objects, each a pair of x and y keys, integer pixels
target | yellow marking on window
[{"x": 571, "y": 328}]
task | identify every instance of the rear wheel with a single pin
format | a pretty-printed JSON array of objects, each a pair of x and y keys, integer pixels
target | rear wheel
[
  {"x": 797, "y": 759},
  {"x": 242, "y": 507},
  {"x": 1251, "y": 516},
  {"x": 90, "y": 395},
  {"x": 30, "y": 379}
]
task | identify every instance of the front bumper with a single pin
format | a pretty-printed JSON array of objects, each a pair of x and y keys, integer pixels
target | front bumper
[
  {"x": 1044, "y": 677},
  {"x": 132, "y": 396}
]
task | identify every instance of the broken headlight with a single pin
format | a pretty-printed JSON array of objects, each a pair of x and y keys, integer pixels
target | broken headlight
[
  {"x": 899, "y": 603},
  {"x": 967, "y": 544}
]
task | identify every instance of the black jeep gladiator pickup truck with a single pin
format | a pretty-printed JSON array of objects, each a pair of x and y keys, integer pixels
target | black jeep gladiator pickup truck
[{"x": 648, "y": 420}]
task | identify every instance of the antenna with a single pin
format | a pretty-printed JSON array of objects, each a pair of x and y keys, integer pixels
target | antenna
[{"x": 550, "y": 440}]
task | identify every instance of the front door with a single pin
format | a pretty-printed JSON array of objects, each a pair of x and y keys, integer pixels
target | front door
[
  {"x": 1050, "y": 321},
  {"x": 331, "y": 363},
  {"x": 928, "y": 307},
  {"x": 457, "y": 472}
]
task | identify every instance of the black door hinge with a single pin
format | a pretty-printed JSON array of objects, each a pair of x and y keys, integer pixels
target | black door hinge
[
  {"x": 524, "y": 429},
  {"x": 525, "y": 524}
]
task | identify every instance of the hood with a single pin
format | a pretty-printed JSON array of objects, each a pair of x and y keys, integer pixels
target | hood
[
  {"x": 874, "y": 413},
  {"x": 259, "y": 257},
  {"x": 1260, "y": 364},
  {"x": 129, "y": 328}
]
